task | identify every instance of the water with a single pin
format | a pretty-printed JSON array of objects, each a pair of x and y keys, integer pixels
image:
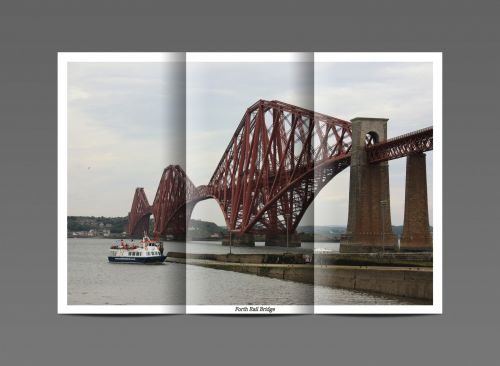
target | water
[{"x": 94, "y": 281}]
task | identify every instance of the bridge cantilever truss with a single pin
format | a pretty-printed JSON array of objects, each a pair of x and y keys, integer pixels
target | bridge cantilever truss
[
  {"x": 279, "y": 157},
  {"x": 277, "y": 161},
  {"x": 138, "y": 217},
  {"x": 169, "y": 208},
  {"x": 398, "y": 147}
]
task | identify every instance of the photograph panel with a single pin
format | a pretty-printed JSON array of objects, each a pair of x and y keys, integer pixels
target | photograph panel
[
  {"x": 374, "y": 221},
  {"x": 241, "y": 147},
  {"x": 125, "y": 124}
]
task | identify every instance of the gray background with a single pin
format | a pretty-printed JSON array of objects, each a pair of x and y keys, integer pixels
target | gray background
[{"x": 32, "y": 333}]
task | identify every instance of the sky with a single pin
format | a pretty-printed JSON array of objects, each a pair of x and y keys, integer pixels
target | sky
[
  {"x": 127, "y": 121},
  {"x": 125, "y": 124}
]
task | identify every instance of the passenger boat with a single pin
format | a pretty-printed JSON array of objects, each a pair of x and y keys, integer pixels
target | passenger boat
[{"x": 147, "y": 251}]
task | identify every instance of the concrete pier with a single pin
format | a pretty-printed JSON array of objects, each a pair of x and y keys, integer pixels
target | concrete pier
[
  {"x": 416, "y": 230},
  {"x": 280, "y": 240},
  {"x": 239, "y": 240},
  {"x": 369, "y": 226}
]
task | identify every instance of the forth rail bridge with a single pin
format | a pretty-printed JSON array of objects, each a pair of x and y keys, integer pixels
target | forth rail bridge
[{"x": 278, "y": 160}]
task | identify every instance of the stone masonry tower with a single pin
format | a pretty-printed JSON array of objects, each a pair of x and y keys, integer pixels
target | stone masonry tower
[
  {"x": 416, "y": 230},
  {"x": 369, "y": 226}
]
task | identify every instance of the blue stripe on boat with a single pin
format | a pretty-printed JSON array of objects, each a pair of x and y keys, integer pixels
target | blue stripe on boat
[{"x": 138, "y": 260}]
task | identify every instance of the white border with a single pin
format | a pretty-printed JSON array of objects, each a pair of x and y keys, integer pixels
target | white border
[
  {"x": 64, "y": 58},
  {"x": 249, "y": 57}
]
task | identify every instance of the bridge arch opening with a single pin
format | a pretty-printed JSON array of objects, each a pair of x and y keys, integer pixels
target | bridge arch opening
[
  {"x": 207, "y": 221},
  {"x": 372, "y": 138},
  {"x": 330, "y": 205}
]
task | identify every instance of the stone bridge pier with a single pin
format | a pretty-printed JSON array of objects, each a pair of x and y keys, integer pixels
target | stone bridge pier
[
  {"x": 277, "y": 238},
  {"x": 239, "y": 240},
  {"x": 416, "y": 230},
  {"x": 292, "y": 240},
  {"x": 369, "y": 227}
]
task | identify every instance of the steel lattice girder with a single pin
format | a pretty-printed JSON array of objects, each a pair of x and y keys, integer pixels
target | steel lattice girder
[
  {"x": 401, "y": 146},
  {"x": 138, "y": 217},
  {"x": 169, "y": 206},
  {"x": 278, "y": 160},
  {"x": 266, "y": 178}
]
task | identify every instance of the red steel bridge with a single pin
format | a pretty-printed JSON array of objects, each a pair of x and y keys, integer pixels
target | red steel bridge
[{"x": 277, "y": 161}]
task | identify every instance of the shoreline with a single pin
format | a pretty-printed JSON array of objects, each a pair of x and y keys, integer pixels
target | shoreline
[{"x": 411, "y": 281}]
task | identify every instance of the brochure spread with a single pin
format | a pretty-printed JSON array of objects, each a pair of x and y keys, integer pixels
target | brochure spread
[{"x": 249, "y": 183}]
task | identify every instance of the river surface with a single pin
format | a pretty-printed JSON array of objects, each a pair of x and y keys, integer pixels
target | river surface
[{"x": 94, "y": 281}]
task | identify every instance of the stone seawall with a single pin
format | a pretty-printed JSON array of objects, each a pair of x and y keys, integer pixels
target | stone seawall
[
  {"x": 376, "y": 259},
  {"x": 398, "y": 281},
  {"x": 349, "y": 259},
  {"x": 285, "y": 258},
  {"x": 414, "y": 282}
]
